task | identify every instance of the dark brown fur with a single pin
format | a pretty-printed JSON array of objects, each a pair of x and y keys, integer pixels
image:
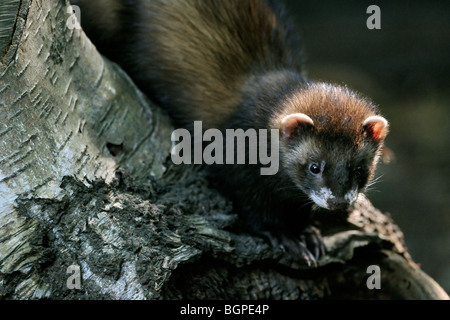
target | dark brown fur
[
  {"x": 192, "y": 55},
  {"x": 237, "y": 64}
]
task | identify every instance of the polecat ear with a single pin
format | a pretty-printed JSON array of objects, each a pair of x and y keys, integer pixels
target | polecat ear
[
  {"x": 376, "y": 127},
  {"x": 291, "y": 123}
]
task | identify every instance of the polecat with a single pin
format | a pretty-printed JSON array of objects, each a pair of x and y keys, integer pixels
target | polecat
[{"x": 238, "y": 64}]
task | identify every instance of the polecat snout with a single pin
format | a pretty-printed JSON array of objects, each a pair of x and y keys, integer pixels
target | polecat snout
[{"x": 237, "y": 64}]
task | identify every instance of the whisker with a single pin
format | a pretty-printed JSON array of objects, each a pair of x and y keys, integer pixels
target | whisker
[
  {"x": 288, "y": 188},
  {"x": 371, "y": 190},
  {"x": 374, "y": 181},
  {"x": 307, "y": 203}
]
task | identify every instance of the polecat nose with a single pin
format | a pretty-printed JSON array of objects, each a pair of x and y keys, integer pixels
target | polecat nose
[{"x": 337, "y": 204}]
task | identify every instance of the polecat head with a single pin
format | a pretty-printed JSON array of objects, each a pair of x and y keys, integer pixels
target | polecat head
[{"x": 330, "y": 144}]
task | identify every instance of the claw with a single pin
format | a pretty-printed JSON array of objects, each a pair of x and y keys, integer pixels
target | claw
[
  {"x": 306, "y": 248},
  {"x": 314, "y": 240},
  {"x": 307, "y": 256}
]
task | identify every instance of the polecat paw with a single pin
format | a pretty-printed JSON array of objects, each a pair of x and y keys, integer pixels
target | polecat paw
[
  {"x": 314, "y": 242},
  {"x": 307, "y": 248}
]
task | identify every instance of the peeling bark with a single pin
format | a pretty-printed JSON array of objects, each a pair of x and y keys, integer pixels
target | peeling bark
[{"x": 85, "y": 180}]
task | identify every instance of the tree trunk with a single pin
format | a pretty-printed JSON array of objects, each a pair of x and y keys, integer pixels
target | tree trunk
[{"x": 88, "y": 192}]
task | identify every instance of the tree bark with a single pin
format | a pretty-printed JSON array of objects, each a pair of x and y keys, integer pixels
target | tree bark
[{"x": 86, "y": 181}]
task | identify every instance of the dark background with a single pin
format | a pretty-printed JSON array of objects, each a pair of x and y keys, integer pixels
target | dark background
[{"x": 404, "y": 68}]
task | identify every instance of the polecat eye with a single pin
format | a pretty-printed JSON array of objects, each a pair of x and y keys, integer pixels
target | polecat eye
[
  {"x": 314, "y": 168},
  {"x": 359, "y": 170}
]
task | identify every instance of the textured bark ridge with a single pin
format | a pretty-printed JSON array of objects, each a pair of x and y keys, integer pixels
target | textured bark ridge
[{"x": 86, "y": 181}]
